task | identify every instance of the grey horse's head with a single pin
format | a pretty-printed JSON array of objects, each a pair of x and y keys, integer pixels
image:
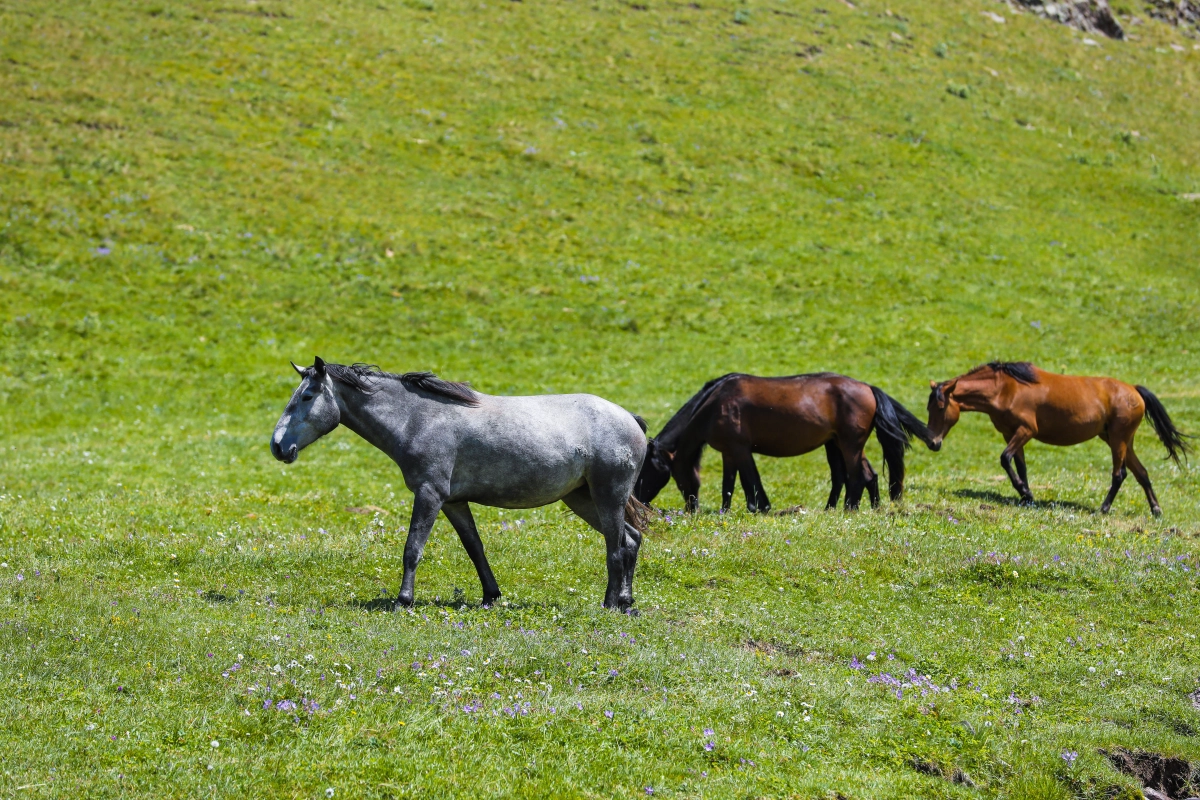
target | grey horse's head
[{"x": 310, "y": 414}]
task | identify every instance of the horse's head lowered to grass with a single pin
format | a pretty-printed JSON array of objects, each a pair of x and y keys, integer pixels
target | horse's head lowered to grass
[
  {"x": 943, "y": 411},
  {"x": 655, "y": 473},
  {"x": 310, "y": 414},
  {"x": 984, "y": 381}
]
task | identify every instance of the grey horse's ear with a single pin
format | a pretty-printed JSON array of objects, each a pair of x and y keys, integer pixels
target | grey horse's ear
[
  {"x": 319, "y": 366},
  {"x": 299, "y": 370}
]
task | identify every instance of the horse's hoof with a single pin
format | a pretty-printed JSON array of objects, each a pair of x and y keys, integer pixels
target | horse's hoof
[
  {"x": 1156, "y": 511},
  {"x": 402, "y": 604},
  {"x": 633, "y": 612},
  {"x": 490, "y": 600},
  {"x": 1104, "y": 509}
]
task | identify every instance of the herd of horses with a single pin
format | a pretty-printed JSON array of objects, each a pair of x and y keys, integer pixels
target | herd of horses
[{"x": 456, "y": 446}]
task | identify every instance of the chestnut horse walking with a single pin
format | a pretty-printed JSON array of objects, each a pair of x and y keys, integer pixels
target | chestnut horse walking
[
  {"x": 740, "y": 415},
  {"x": 1025, "y": 403}
]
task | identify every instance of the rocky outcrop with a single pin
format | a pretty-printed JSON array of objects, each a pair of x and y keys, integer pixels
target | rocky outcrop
[
  {"x": 1093, "y": 16},
  {"x": 1176, "y": 12}
]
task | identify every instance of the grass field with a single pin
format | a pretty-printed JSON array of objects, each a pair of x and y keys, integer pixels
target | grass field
[{"x": 623, "y": 199}]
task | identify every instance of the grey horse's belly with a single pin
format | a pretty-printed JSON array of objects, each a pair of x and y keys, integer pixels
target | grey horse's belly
[
  {"x": 529, "y": 452},
  {"x": 514, "y": 487}
]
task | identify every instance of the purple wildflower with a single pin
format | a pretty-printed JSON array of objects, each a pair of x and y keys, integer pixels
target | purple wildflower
[
  {"x": 855, "y": 663},
  {"x": 708, "y": 746},
  {"x": 1069, "y": 756},
  {"x": 103, "y": 251},
  {"x": 708, "y": 731},
  {"x": 608, "y": 714}
]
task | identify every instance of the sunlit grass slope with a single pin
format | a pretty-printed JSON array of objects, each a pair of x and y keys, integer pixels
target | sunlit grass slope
[{"x": 625, "y": 199}]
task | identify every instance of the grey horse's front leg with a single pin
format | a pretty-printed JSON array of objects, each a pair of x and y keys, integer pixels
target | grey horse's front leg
[
  {"x": 426, "y": 504},
  {"x": 460, "y": 517}
]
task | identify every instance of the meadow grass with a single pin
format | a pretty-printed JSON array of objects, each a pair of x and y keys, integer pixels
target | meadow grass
[{"x": 625, "y": 199}]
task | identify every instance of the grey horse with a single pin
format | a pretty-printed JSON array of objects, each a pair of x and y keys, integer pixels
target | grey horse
[{"x": 456, "y": 446}]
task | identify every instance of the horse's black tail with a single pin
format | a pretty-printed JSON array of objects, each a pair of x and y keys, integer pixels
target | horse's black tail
[
  {"x": 895, "y": 426},
  {"x": 1171, "y": 437}
]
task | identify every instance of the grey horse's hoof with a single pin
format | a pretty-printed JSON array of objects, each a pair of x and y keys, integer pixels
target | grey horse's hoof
[{"x": 402, "y": 604}]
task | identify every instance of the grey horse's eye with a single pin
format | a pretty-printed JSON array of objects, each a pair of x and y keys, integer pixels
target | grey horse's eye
[{"x": 307, "y": 397}]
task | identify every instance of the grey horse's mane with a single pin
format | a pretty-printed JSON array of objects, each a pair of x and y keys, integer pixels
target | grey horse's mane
[
  {"x": 1020, "y": 371},
  {"x": 364, "y": 378}
]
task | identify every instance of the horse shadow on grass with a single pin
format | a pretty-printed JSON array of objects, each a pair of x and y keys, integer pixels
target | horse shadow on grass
[
  {"x": 387, "y": 604},
  {"x": 990, "y": 496}
]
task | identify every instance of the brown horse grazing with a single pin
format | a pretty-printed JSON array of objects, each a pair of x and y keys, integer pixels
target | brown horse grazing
[
  {"x": 1026, "y": 403},
  {"x": 739, "y": 415}
]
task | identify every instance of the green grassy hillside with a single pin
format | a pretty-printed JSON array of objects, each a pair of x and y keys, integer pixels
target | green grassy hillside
[{"x": 624, "y": 199}]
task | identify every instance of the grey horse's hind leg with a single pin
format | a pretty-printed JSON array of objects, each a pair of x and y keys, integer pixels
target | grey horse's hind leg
[
  {"x": 621, "y": 539},
  {"x": 426, "y": 505},
  {"x": 460, "y": 517}
]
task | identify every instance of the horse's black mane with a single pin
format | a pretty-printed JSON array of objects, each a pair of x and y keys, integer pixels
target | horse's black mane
[
  {"x": 1020, "y": 371},
  {"x": 683, "y": 416},
  {"x": 454, "y": 390},
  {"x": 364, "y": 378}
]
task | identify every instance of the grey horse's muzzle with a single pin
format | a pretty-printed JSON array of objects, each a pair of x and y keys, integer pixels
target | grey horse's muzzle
[{"x": 286, "y": 456}]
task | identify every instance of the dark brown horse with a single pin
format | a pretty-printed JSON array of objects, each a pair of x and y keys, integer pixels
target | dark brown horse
[
  {"x": 1026, "y": 403},
  {"x": 740, "y": 415}
]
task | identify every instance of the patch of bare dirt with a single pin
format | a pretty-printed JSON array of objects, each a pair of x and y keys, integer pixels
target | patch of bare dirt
[{"x": 1169, "y": 776}]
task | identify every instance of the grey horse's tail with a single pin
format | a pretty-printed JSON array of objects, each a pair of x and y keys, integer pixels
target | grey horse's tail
[{"x": 637, "y": 514}]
